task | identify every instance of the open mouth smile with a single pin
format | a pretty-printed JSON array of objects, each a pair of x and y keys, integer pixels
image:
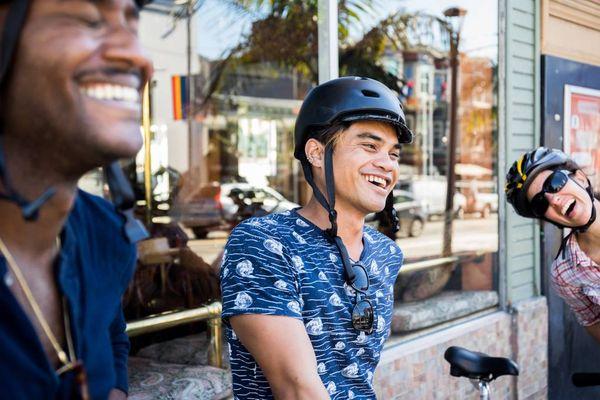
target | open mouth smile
[
  {"x": 118, "y": 95},
  {"x": 568, "y": 207},
  {"x": 378, "y": 181}
]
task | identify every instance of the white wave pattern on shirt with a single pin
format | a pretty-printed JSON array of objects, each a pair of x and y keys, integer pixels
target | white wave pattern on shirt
[
  {"x": 314, "y": 327},
  {"x": 380, "y": 323},
  {"x": 331, "y": 388},
  {"x": 318, "y": 295},
  {"x": 361, "y": 338},
  {"x": 333, "y": 258},
  {"x": 350, "y": 292},
  {"x": 321, "y": 369},
  {"x": 335, "y": 300},
  {"x": 351, "y": 371},
  {"x": 301, "y": 223},
  {"x": 374, "y": 268},
  {"x": 294, "y": 306},
  {"x": 299, "y": 238},
  {"x": 273, "y": 246},
  {"x": 298, "y": 263},
  {"x": 244, "y": 268},
  {"x": 243, "y": 301},
  {"x": 281, "y": 285},
  {"x": 392, "y": 249}
]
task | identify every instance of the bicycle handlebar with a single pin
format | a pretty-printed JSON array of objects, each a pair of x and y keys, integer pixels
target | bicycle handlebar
[{"x": 583, "y": 379}]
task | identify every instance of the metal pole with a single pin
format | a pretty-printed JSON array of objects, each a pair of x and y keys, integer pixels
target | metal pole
[
  {"x": 189, "y": 10},
  {"x": 147, "y": 153},
  {"x": 328, "y": 40},
  {"x": 215, "y": 349},
  {"x": 450, "y": 174}
]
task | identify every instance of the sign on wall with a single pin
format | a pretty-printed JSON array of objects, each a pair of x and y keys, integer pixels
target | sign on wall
[{"x": 582, "y": 130}]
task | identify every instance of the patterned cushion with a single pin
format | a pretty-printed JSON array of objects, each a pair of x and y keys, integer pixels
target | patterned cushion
[
  {"x": 188, "y": 350},
  {"x": 150, "y": 380}
]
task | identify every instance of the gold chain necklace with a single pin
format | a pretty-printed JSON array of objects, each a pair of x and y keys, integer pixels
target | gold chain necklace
[{"x": 69, "y": 363}]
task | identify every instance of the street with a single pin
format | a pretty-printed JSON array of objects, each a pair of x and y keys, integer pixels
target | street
[{"x": 470, "y": 234}]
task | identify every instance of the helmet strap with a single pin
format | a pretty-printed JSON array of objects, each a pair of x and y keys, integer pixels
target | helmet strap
[
  {"x": 392, "y": 213},
  {"x": 330, "y": 187},
  {"x": 124, "y": 201},
  {"x": 581, "y": 228},
  {"x": 29, "y": 209},
  {"x": 330, "y": 208}
]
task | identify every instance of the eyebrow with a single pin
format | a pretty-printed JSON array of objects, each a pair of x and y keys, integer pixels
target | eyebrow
[
  {"x": 135, "y": 12},
  {"x": 377, "y": 138}
]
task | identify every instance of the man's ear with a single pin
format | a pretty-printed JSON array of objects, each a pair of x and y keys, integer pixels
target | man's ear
[
  {"x": 314, "y": 152},
  {"x": 581, "y": 178}
]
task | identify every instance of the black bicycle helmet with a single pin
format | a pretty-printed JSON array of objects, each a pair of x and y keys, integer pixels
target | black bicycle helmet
[
  {"x": 120, "y": 188},
  {"x": 523, "y": 172},
  {"x": 348, "y": 99}
]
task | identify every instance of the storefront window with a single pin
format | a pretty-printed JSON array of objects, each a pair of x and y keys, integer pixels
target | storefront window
[
  {"x": 408, "y": 47},
  {"x": 229, "y": 151}
]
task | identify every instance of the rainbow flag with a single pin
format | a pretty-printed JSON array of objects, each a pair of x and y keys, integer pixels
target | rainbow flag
[{"x": 181, "y": 102}]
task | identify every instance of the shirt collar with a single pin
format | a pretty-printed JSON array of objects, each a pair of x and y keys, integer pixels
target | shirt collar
[{"x": 579, "y": 256}]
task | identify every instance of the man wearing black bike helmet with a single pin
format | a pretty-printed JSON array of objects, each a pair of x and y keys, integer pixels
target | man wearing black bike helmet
[
  {"x": 548, "y": 185},
  {"x": 308, "y": 294},
  {"x": 71, "y": 78}
]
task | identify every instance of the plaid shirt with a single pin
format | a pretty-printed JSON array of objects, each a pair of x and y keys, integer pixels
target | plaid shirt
[{"x": 576, "y": 278}]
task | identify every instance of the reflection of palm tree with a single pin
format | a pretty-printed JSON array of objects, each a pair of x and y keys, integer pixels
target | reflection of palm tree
[{"x": 285, "y": 38}]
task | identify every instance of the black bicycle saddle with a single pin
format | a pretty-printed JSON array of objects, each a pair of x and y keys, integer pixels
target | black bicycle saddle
[{"x": 475, "y": 365}]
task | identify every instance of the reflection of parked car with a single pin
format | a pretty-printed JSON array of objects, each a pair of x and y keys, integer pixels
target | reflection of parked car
[
  {"x": 222, "y": 206},
  {"x": 430, "y": 192},
  {"x": 481, "y": 197},
  {"x": 410, "y": 212}
]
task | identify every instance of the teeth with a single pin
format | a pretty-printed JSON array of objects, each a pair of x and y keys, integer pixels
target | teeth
[
  {"x": 112, "y": 92},
  {"x": 566, "y": 207},
  {"x": 376, "y": 179}
]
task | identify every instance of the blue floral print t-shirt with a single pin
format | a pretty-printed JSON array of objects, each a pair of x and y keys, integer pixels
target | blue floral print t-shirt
[{"x": 282, "y": 264}]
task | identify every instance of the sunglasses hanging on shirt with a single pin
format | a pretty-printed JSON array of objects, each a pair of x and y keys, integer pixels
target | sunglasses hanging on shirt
[{"x": 363, "y": 313}]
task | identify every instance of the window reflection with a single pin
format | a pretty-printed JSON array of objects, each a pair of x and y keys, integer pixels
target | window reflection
[
  {"x": 408, "y": 48},
  {"x": 257, "y": 60}
]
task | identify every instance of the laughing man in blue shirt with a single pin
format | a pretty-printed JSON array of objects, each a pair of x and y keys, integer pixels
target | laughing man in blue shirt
[{"x": 71, "y": 76}]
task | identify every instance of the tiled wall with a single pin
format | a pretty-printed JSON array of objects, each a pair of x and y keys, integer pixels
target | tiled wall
[{"x": 416, "y": 369}]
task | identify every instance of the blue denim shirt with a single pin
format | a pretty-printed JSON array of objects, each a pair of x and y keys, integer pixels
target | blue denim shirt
[{"x": 94, "y": 268}]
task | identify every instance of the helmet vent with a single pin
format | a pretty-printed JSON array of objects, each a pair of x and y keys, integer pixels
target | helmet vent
[{"x": 369, "y": 93}]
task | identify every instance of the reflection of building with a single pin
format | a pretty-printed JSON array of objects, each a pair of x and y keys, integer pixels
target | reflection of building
[
  {"x": 249, "y": 122},
  {"x": 245, "y": 131},
  {"x": 427, "y": 78},
  {"x": 476, "y": 114}
]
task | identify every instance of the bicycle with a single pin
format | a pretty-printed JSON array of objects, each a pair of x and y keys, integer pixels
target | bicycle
[
  {"x": 480, "y": 368},
  {"x": 584, "y": 379}
]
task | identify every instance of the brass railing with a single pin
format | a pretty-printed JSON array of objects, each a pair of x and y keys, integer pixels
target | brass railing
[{"x": 210, "y": 312}]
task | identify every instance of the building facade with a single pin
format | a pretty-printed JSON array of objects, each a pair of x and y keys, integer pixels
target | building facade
[{"x": 250, "y": 70}]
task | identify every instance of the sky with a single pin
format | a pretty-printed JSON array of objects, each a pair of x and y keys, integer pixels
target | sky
[{"x": 219, "y": 28}]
